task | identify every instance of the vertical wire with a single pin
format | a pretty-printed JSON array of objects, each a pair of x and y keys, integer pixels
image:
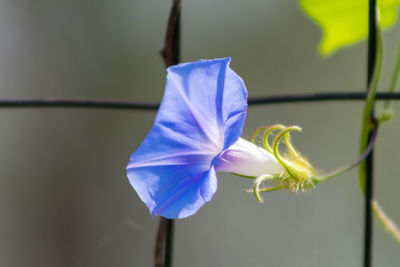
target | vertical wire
[
  {"x": 163, "y": 254},
  {"x": 368, "y": 219},
  {"x": 169, "y": 242}
]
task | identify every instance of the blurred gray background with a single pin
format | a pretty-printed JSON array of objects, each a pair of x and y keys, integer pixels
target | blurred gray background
[{"x": 64, "y": 197}]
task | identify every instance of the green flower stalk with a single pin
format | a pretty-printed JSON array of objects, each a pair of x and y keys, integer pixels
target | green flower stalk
[{"x": 367, "y": 127}]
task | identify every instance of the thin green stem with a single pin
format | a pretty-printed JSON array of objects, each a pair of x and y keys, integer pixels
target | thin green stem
[
  {"x": 369, "y": 105},
  {"x": 274, "y": 188},
  {"x": 365, "y": 135},
  {"x": 355, "y": 163},
  {"x": 386, "y": 222},
  {"x": 387, "y": 109}
]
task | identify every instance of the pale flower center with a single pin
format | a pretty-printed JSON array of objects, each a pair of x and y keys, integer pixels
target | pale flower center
[{"x": 247, "y": 159}]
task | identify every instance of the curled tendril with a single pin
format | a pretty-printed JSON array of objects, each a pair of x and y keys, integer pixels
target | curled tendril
[
  {"x": 275, "y": 145},
  {"x": 299, "y": 172},
  {"x": 257, "y": 190},
  {"x": 257, "y": 183},
  {"x": 267, "y": 133},
  {"x": 256, "y": 133}
]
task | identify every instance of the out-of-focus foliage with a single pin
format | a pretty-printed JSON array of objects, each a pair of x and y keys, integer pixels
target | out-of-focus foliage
[{"x": 345, "y": 22}]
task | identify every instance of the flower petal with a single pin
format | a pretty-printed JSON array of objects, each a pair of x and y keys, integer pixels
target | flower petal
[
  {"x": 167, "y": 171},
  {"x": 174, "y": 191},
  {"x": 212, "y": 93},
  {"x": 234, "y": 107},
  {"x": 202, "y": 112}
]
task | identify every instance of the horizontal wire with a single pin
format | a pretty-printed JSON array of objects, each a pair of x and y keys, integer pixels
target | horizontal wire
[
  {"x": 116, "y": 104},
  {"x": 76, "y": 103},
  {"x": 314, "y": 97}
]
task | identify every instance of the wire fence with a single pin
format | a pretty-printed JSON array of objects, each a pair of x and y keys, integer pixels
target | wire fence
[
  {"x": 132, "y": 105},
  {"x": 171, "y": 54},
  {"x": 369, "y": 167}
]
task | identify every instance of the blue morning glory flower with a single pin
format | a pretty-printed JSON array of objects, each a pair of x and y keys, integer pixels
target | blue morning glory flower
[{"x": 195, "y": 134}]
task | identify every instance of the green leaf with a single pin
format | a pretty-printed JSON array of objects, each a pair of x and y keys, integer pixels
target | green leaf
[{"x": 345, "y": 22}]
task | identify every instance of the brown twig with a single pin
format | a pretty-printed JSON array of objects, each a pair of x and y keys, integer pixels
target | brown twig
[
  {"x": 171, "y": 50},
  {"x": 159, "y": 249},
  {"x": 171, "y": 55}
]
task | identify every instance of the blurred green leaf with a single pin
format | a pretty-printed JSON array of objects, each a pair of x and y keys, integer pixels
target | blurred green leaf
[{"x": 345, "y": 22}]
